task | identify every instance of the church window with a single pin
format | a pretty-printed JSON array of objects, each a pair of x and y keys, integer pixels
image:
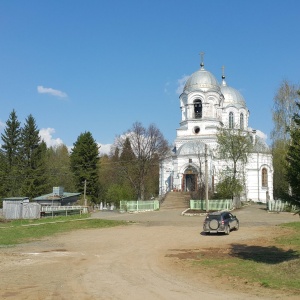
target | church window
[
  {"x": 242, "y": 121},
  {"x": 198, "y": 109},
  {"x": 231, "y": 120},
  {"x": 264, "y": 177},
  {"x": 190, "y": 160}
]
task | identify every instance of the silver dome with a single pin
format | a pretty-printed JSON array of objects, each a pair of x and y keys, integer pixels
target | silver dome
[
  {"x": 201, "y": 80},
  {"x": 191, "y": 148},
  {"x": 232, "y": 96}
]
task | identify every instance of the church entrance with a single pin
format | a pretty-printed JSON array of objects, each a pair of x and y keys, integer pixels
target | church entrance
[{"x": 189, "y": 180}]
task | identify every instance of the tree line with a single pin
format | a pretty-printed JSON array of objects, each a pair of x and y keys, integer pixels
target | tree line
[
  {"x": 28, "y": 168},
  {"x": 286, "y": 143}
]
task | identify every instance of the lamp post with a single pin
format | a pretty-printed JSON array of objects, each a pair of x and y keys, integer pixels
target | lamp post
[{"x": 206, "y": 179}]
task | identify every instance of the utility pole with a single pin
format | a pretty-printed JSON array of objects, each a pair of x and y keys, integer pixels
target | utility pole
[
  {"x": 84, "y": 193},
  {"x": 206, "y": 179}
]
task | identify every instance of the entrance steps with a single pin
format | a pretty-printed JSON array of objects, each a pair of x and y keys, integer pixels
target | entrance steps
[{"x": 176, "y": 200}]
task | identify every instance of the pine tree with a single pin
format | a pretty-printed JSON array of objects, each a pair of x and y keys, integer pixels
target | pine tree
[
  {"x": 33, "y": 160},
  {"x": 10, "y": 177},
  {"x": 128, "y": 170},
  {"x": 11, "y": 139},
  {"x": 84, "y": 164}
]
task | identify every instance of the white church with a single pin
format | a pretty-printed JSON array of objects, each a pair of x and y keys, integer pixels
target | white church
[{"x": 206, "y": 106}]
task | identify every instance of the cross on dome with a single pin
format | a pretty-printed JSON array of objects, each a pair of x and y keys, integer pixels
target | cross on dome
[{"x": 202, "y": 60}]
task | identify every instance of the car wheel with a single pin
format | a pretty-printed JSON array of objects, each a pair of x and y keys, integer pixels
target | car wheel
[
  {"x": 227, "y": 230},
  {"x": 237, "y": 226}
]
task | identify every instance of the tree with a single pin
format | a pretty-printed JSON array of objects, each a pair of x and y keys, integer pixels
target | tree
[
  {"x": 292, "y": 195},
  {"x": 127, "y": 166},
  {"x": 148, "y": 146},
  {"x": 3, "y": 175},
  {"x": 283, "y": 111},
  {"x": 85, "y": 164},
  {"x": 199, "y": 150},
  {"x": 11, "y": 155},
  {"x": 33, "y": 160},
  {"x": 59, "y": 169},
  {"x": 11, "y": 139},
  {"x": 234, "y": 145}
]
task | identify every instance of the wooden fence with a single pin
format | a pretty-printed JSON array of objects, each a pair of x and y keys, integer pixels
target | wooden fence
[
  {"x": 278, "y": 205},
  {"x": 63, "y": 210},
  {"x": 135, "y": 206},
  {"x": 222, "y": 204}
]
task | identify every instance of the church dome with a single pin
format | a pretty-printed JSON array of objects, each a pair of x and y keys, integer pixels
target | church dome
[
  {"x": 231, "y": 95},
  {"x": 192, "y": 148},
  {"x": 201, "y": 80}
]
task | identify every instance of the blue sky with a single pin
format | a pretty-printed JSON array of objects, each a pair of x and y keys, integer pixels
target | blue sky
[{"x": 100, "y": 66}]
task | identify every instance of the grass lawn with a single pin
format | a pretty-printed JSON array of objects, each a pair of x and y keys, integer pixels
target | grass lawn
[{"x": 22, "y": 231}]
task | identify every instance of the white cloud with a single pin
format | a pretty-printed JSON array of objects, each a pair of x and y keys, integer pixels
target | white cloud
[
  {"x": 104, "y": 148},
  {"x": 46, "y": 135},
  {"x": 181, "y": 83},
  {"x": 2, "y": 125},
  {"x": 53, "y": 92}
]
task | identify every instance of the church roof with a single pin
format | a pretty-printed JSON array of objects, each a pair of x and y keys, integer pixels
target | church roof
[
  {"x": 231, "y": 95},
  {"x": 191, "y": 148},
  {"x": 201, "y": 80},
  {"x": 205, "y": 81}
]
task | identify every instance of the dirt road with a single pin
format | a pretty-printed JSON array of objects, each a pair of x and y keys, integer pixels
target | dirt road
[{"x": 129, "y": 262}]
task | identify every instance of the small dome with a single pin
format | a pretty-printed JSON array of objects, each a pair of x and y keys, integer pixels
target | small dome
[
  {"x": 191, "y": 148},
  {"x": 201, "y": 80},
  {"x": 231, "y": 96},
  {"x": 260, "y": 145}
]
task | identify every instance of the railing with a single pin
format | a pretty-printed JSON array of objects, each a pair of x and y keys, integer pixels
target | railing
[
  {"x": 222, "y": 204},
  {"x": 135, "y": 206},
  {"x": 278, "y": 205},
  {"x": 61, "y": 209}
]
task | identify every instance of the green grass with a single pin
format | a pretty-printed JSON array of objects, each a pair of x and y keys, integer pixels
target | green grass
[
  {"x": 23, "y": 231},
  {"x": 293, "y": 239},
  {"x": 275, "y": 265}
]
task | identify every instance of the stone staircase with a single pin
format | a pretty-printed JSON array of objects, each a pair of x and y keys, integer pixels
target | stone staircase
[{"x": 176, "y": 200}]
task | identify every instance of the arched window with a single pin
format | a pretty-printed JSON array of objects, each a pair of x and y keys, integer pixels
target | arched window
[
  {"x": 231, "y": 120},
  {"x": 198, "y": 109},
  {"x": 242, "y": 121},
  {"x": 264, "y": 177}
]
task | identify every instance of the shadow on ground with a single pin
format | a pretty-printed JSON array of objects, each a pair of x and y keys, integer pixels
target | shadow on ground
[{"x": 263, "y": 254}]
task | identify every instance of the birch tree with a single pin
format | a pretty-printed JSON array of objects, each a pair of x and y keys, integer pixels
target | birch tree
[{"x": 234, "y": 146}]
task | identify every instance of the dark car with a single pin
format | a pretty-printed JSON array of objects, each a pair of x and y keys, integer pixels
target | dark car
[{"x": 222, "y": 221}]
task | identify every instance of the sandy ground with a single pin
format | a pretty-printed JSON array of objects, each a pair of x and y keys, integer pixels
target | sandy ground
[{"x": 138, "y": 261}]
